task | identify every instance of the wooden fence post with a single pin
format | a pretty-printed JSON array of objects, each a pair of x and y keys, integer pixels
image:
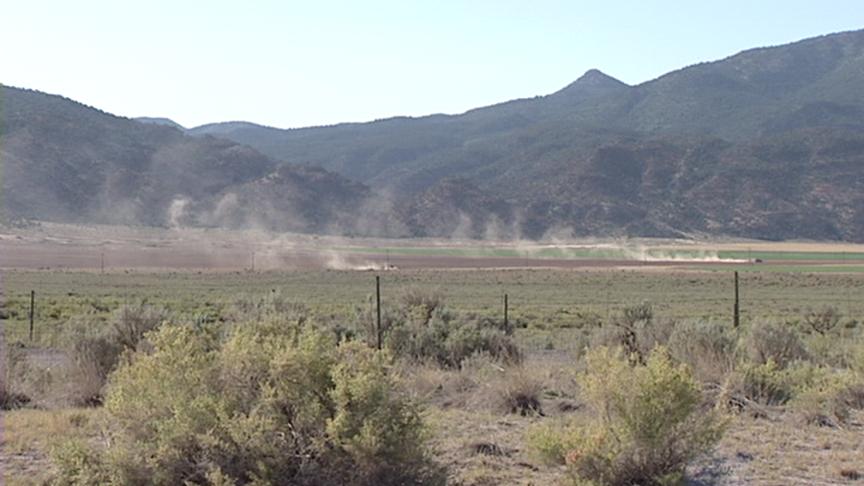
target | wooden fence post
[
  {"x": 378, "y": 310},
  {"x": 736, "y": 312},
  {"x": 32, "y": 311},
  {"x": 505, "y": 311}
]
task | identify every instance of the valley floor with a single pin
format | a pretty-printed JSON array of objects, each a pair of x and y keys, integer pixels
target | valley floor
[{"x": 555, "y": 311}]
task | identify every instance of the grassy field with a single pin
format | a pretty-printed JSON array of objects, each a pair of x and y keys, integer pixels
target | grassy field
[
  {"x": 542, "y": 299},
  {"x": 557, "y": 311}
]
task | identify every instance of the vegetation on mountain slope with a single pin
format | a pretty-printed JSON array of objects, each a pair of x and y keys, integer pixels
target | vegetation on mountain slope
[
  {"x": 64, "y": 161},
  {"x": 764, "y": 144}
]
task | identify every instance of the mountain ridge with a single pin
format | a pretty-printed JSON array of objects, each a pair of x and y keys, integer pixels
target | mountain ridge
[
  {"x": 65, "y": 161},
  {"x": 766, "y": 143}
]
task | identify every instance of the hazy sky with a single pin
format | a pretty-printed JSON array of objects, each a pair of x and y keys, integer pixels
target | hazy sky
[{"x": 289, "y": 63}]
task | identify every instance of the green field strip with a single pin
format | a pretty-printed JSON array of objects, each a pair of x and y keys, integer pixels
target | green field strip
[
  {"x": 790, "y": 255},
  {"x": 783, "y": 268},
  {"x": 609, "y": 253}
]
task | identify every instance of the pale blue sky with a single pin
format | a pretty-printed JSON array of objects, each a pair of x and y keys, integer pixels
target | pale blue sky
[{"x": 291, "y": 64}]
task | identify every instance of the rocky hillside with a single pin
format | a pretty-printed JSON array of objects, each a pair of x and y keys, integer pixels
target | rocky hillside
[
  {"x": 713, "y": 148},
  {"x": 63, "y": 161}
]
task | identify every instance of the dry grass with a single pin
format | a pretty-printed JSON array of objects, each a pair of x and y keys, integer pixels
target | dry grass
[
  {"x": 469, "y": 414},
  {"x": 476, "y": 433},
  {"x": 484, "y": 385},
  {"x": 782, "y": 451},
  {"x": 487, "y": 448},
  {"x": 754, "y": 451},
  {"x": 29, "y": 435}
]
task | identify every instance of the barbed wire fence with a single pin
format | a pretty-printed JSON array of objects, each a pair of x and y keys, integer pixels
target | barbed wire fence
[{"x": 598, "y": 296}]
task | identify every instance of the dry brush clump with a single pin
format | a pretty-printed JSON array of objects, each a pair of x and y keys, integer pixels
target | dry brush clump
[
  {"x": 132, "y": 322},
  {"x": 777, "y": 342},
  {"x": 709, "y": 348},
  {"x": 481, "y": 383},
  {"x": 649, "y": 421},
  {"x": 519, "y": 391},
  {"x": 94, "y": 351},
  {"x": 15, "y": 379},
  {"x": 636, "y": 331},
  {"x": 827, "y": 342},
  {"x": 822, "y": 321},
  {"x": 75, "y": 373},
  {"x": 92, "y": 355},
  {"x": 268, "y": 404}
]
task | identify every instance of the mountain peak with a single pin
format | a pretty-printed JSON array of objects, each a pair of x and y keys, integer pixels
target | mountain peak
[
  {"x": 167, "y": 122},
  {"x": 596, "y": 76},
  {"x": 593, "y": 81}
]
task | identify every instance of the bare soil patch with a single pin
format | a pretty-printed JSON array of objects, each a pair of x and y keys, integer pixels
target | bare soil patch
[{"x": 52, "y": 246}]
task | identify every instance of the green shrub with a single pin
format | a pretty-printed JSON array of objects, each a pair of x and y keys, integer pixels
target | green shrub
[
  {"x": 552, "y": 443},
  {"x": 268, "y": 404},
  {"x": 634, "y": 322},
  {"x": 486, "y": 322},
  {"x": 367, "y": 321},
  {"x": 422, "y": 329},
  {"x": 420, "y": 304},
  {"x": 380, "y": 432},
  {"x": 78, "y": 465},
  {"x": 650, "y": 421},
  {"x": 448, "y": 339},
  {"x": 823, "y": 396}
]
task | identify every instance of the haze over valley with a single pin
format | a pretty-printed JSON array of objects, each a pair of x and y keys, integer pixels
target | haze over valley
[{"x": 465, "y": 243}]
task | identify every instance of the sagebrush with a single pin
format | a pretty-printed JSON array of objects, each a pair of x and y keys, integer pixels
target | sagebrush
[
  {"x": 268, "y": 404},
  {"x": 649, "y": 422}
]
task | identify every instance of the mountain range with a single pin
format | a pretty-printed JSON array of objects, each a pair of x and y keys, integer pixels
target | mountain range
[
  {"x": 768, "y": 143},
  {"x": 63, "y": 161}
]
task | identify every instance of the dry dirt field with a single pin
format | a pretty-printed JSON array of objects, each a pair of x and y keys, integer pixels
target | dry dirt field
[{"x": 50, "y": 246}]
